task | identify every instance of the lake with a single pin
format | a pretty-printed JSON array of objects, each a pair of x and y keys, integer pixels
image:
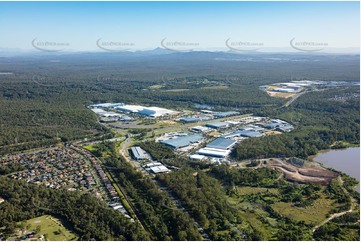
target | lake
[{"x": 345, "y": 160}]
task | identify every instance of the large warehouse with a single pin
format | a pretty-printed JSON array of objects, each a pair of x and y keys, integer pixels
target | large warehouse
[
  {"x": 147, "y": 111},
  {"x": 222, "y": 143},
  {"x": 139, "y": 153},
  {"x": 250, "y": 133},
  {"x": 183, "y": 141},
  {"x": 218, "y": 125},
  {"x": 213, "y": 152}
]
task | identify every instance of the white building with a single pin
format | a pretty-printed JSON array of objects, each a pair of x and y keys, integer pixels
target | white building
[
  {"x": 159, "y": 169},
  {"x": 198, "y": 157},
  {"x": 149, "y": 165},
  {"x": 200, "y": 129},
  {"x": 154, "y": 112},
  {"x": 213, "y": 152}
]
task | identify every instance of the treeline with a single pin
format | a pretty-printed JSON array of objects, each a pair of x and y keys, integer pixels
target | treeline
[{"x": 90, "y": 218}]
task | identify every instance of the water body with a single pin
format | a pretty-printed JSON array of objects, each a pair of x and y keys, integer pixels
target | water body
[{"x": 345, "y": 160}]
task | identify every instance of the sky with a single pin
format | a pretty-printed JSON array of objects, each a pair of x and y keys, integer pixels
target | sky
[{"x": 101, "y": 26}]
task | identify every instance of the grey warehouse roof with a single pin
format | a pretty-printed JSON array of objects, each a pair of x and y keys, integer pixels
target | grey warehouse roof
[
  {"x": 139, "y": 153},
  {"x": 221, "y": 143},
  {"x": 247, "y": 133},
  {"x": 217, "y": 125},
  {"x": 189, "y": 119},
  {"x": 233, "y": 134},
  {"x": 182, "y": 141}
]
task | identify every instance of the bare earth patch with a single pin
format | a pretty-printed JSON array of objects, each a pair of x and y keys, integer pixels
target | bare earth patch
[
  {"x": 170, "y": 122},
  {"x": 307, "y": 174},
  {"x": 272, "y": 132},
  {"x": 280, "y": 94}
]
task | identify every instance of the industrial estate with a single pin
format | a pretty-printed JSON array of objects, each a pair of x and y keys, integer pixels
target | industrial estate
[
  {"x": 290, "y": 89},
  {"x": 210, "y": 142}
]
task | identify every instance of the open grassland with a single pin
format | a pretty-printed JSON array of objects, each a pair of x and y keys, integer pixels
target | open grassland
[
  {"x": 89, "y": 147},
  {"x": 254, "y": 190},
  {"x": 313, "y": 214},
  {"x": 177, "y": 90},
  {"x": 215, "y": 87},
  {"x": 51, "y": 227},
  {"x": 265, "y": 230}
]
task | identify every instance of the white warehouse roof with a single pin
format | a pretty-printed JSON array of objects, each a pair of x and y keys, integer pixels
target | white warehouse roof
[
  {"x": 159, "y": 169},
  {"x": 214, "y": 152},
  {"x": 197, "y": 157},
  {"x": 148, "y": 111}
]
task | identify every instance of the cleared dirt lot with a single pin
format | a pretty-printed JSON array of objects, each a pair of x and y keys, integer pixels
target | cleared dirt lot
[
  {"x": 310, "y": 173},
  {"x": 280, "y": 94}
]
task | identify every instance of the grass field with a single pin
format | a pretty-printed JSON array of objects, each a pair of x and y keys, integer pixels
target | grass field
[
  {"x": 255, "y": 190},
  {"x": 52, "y": 227},
  {"x": 215, "y": 87},
  {"x": 312, "y": 214},
  {"x": 264, "y": 230},
  {"x": 176, "y": 90},
  {"x": 89, "y": 147}
]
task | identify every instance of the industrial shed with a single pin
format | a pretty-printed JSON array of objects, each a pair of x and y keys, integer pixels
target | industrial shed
[
  {"x": 233, "y": 134},
  {"x": 159, "y": 169},
  {"x": 222, "y": 143},
  {"x": 212, "y": 152},
  {"x": 183, "y": 141},
  {"x": 248, "y": 133},
  {"x": 139, "y": 153},
  {"x": 217, "y": 125},
  {"x": 189, "y": 120}
]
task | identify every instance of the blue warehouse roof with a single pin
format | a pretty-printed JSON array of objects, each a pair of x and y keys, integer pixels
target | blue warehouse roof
[
  {"x": 182, "y": 141},
  {"x": 221, "y": 143}
]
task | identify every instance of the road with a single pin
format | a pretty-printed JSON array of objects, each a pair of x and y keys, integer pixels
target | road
[{"x": 289, "y": 102}]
